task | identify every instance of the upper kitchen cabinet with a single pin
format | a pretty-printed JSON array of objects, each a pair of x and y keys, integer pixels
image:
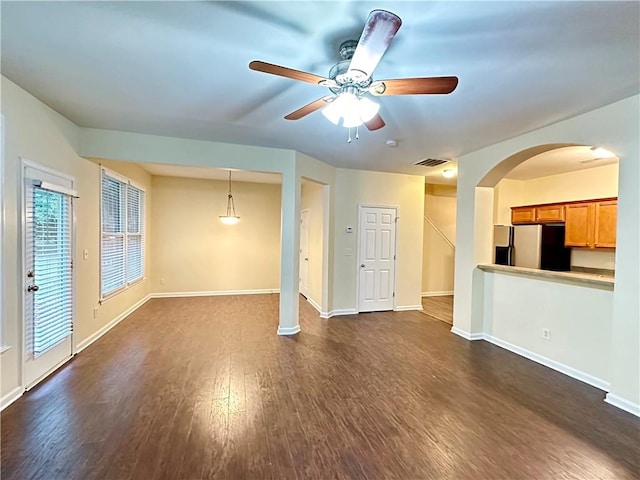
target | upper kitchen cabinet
[
  {"x": 537, "y": 214},
  {"x": 591, "y": 224},
  {"x": 606, "y": 216},
  {"x": 523, "y": 215},
  {"x": 550, "y": 213}
]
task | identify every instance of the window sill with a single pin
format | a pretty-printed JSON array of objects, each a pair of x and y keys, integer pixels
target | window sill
[
  {"x": 4, "y": 348},
  {"x": 122, "y": 290}
]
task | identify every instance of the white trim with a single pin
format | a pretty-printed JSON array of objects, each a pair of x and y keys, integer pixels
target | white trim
[
  {"x": 92, "y": 338},
  {"x": 553, "y": 364},
  {"x": 288, "y": 330},
  {"x": 407, "y": 308},
  {"x": 11, "y": 397},
  {"x": 213, "y": 293},
  {"x": 337, "y": 313},
  {"x": 314, "y": 304},
  {"x": 623, "y": 404},
  {"x": 437, "y": 294},
  {"x": 467, "y": 335}
]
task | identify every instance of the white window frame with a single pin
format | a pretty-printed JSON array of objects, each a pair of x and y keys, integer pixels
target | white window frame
[{"x": 128, "y": 183}]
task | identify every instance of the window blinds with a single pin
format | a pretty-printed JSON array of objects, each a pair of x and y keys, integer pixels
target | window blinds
[
  {"x": 52, "y": 255},
  {"x": 122, "y": 254}
]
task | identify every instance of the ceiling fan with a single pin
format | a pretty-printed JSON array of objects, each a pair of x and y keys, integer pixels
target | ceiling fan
[{"x": 350, "y": 80}]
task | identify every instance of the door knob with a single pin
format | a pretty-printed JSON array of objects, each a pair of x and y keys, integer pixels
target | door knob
[
  {"x": 362, "y": 265},
  {"x": 33, "y": 288}
]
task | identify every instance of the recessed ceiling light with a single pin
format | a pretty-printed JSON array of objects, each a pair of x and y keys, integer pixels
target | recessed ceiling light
[
  {"x": 391, "y": 143},
  {"x": 449, "y": 172},
  {"x": 600, "y": 152}
]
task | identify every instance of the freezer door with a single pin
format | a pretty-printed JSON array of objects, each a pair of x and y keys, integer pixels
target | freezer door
[
  {"x": 527, "y": 243},
  {"x": 502, "y": 235}
]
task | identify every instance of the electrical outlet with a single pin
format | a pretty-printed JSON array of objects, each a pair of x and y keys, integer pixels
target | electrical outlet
[
  {"x": 95, "y": 312},
  {"x": 546, "y": 334}
]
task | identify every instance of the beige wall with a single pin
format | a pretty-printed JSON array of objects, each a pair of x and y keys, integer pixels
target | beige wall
[
  {"x": 354, "y": 187},
  {"x": 194, "y": 252},
  {"x": 312, "y": 200},
  {"x": 438, "y": 254},
  {"x": 35, "y": 132}
]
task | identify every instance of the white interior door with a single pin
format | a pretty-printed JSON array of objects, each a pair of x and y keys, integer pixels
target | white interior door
[
  {"x": 304, "y": 252},
  {"x": 376, "y": 253},
  {"x": 48, "y": 280}
]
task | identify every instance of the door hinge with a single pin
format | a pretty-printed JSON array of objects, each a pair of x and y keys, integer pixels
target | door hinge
[
  {"x": 72, "y": 264},
  {"x": 394, "y": 257},
  {"x": 394, "y": 294}
]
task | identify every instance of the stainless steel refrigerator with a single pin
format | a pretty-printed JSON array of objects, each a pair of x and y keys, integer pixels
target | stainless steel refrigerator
[
  {"x": 541, "y": 246},
  {"x": 532, "y": 246}
]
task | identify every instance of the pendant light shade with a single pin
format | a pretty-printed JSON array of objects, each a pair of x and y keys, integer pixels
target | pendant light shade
[{"x": 230, "y": 218}]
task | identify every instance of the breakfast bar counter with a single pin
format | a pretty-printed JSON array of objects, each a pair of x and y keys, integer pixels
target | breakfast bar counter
[{"x": 602, "y": 281}]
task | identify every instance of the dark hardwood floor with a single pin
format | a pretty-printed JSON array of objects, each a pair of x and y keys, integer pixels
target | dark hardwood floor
[
  {"x": 440, "y": 308},
  {"x": 194, "y": 388}
]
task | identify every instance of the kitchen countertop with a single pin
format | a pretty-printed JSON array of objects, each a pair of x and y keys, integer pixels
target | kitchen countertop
[{"x": 580, "y": 278}]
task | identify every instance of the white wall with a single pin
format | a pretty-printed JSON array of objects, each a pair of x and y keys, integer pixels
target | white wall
[
  {"x": 438, "y": 254},
  {"x": 194, "y": 251},
  {"x": 37, "y": 133},
  {"x": 614, "y": 127},
  {"x": 580, "y": 324},
  {"x": 355, "y": 187}
]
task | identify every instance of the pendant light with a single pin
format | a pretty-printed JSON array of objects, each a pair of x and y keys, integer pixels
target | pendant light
[{"x": 230, "y": 218}]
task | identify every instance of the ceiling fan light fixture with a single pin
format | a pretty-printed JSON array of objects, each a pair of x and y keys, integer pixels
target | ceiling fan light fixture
[
  {"x": 600, "y": 152},
  {"x": 367, "y": 109},
  {"x": 333, "y": 112},
  {"x": 230, "y": 218}
]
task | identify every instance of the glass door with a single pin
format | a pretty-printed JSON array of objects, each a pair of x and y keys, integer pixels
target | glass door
[{"x": 48, "y": 289}]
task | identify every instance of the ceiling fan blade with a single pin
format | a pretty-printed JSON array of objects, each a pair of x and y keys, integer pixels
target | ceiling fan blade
[
  {"x": 375, "y": 123},
  {"x": 414, "y": 86},
  {"x": 376, "y": 37},
  {"x": 309, "y": 108},
  {"x": 265, "y": 67}
]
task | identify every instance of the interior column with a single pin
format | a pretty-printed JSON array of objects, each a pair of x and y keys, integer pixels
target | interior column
[{"x": 289, "y": 258}]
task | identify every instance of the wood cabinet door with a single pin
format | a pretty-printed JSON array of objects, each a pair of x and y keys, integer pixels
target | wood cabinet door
[
  {"x": 520, "y": 215},
  {"x": 550, "y": 214},
  {"x": 579, "y": 225},
  {"x": 606, "y": 214}
]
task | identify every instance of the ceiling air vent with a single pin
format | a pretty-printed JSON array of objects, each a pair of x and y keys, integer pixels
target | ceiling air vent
[{"x": 431, "y": 162}]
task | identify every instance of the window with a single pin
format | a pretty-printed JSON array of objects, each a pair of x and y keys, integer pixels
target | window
[{"x": 122, "y": 242}]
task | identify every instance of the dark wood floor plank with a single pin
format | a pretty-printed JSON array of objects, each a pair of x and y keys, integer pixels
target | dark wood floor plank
[{"x": 203, "y": 388}]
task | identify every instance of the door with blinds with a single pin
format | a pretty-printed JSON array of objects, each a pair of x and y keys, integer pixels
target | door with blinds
[{"x": 48, "y": 276}]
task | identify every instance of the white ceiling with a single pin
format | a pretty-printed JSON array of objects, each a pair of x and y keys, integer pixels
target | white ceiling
[{"x": 180, "y": 69}]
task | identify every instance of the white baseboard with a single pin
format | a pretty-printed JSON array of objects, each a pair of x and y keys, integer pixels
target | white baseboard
[
  {"x": 314, "y": 304},
  {"x": 407, "y": 308},
  {"x": 92, "y": 338},
  {"x": 11, "y": 397},
  {"x": 547, "y": 362},
  {"x": 436, "y": 294},
  {"x": 623, "y": 404},
  {"x": 213, "y": 293},
  {"x": 288, "y": 330},
  {"x": 337, "y": 313},
  {"x": 466, "y": 335}
]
